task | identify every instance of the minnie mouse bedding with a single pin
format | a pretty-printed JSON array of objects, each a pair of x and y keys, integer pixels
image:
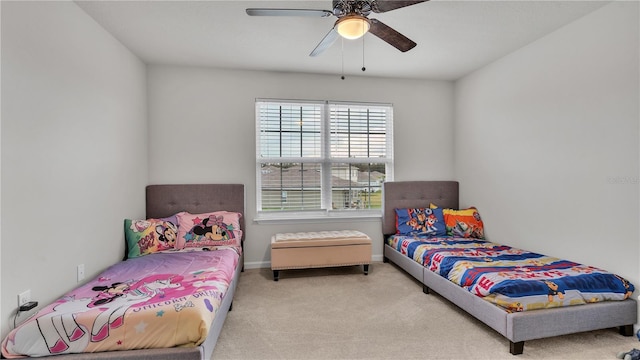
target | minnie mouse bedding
[{"x": 163, "y": 299}]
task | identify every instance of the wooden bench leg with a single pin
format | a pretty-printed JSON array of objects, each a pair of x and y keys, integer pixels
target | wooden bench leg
[
  {"x": 516, "y": 348},
  {"x": 366, "y": 269},
  {"x": 276, "y": 275}
]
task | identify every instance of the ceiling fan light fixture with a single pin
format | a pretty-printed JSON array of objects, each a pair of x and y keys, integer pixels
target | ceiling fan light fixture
[{"x": 352, "y": 26}]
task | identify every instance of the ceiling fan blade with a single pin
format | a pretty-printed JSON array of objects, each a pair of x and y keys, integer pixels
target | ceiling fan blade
[
  {"x": 391, "y": 36},
  {"x": 381, "y": 6},
  {"x": 325, "y": 43},
  {"x": 289, "y": 12}
]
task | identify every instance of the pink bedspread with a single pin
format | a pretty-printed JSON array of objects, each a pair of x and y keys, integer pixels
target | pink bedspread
[{"x": 155, "y": 301}]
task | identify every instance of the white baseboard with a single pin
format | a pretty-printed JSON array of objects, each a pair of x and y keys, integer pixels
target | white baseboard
[
  {"x": 257, "y": 264},
  {"x": 267, "y": 264}
]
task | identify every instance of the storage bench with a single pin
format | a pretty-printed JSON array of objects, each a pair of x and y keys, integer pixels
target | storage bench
[{"x": 305, "y": 250}]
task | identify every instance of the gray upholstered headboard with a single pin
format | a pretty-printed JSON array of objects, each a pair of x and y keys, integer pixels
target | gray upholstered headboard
[
  {"x": 415, "y": 194},
  {"x": 166, "y": 200}
]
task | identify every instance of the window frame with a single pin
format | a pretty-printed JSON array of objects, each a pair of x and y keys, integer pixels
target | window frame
[{"x": 326, "y": 161}]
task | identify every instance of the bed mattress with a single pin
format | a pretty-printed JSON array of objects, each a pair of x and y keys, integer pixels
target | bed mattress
[
  {"x": 159, "y": 300},
  {"x": 514, "y": 279}
]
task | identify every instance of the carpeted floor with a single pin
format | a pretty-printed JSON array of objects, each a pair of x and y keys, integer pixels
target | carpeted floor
[{"x": 339, "y": 313}]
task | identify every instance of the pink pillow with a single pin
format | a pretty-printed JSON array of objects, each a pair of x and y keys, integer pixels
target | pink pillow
[{"x": 208, "y": 229}]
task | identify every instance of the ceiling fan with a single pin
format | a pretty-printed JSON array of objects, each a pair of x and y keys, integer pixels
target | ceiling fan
[{"x": 353, "y": 21}]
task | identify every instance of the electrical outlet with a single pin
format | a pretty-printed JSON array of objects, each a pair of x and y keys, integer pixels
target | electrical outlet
[
  {"x": 24, "y": 297},
  {"x": 80, "y": 272}
]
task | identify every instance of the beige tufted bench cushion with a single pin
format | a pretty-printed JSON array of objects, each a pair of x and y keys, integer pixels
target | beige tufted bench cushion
[{"x": 319, "y": 249}]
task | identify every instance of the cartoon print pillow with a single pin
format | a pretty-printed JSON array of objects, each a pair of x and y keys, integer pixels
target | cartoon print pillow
[
  {"x": 209, "y": 229},
  {"x": 148, "y": 236},
  {"x": 464, "y": 223},
  {"x": 420, "y": 221}
]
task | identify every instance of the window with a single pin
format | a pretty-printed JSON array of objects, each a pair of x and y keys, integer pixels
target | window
[{"x": 322, "y": 158}]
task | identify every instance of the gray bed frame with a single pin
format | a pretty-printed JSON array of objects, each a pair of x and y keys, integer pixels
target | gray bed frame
[
  {"x": 166, "y": 200},
  {"x": 516, "y": 327}
]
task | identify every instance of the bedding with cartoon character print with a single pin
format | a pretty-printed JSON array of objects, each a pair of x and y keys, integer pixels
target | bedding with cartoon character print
[
  {"x": 154, "y": 301},
  {"x": 514, "y": 279}
]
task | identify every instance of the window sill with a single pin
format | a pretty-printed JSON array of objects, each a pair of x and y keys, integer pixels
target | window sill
[{"x": 301, "y": 218}]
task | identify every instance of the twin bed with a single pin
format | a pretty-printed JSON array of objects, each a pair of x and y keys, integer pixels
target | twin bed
[
  {"x": 435, "y": 260},
  {"x": 158, "y": 305}
]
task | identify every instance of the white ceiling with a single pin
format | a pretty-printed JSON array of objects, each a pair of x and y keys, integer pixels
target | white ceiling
[{"x": 453, "y": 37}]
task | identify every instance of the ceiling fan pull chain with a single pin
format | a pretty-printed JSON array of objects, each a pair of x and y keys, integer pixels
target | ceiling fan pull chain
[
  {"x": 363, "y": 68},
  {"x": 342, "y": 55}
]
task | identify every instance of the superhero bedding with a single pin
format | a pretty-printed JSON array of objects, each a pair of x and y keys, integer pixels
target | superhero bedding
[
  {"x": 160, "y": 300},
  {"x": 514, "y": 279}
]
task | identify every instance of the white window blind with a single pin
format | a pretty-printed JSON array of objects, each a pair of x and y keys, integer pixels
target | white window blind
[{"x": 322, "y": 156}]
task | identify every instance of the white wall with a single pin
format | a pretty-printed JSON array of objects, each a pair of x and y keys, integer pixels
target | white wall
[
  {"x": 1, "y": 318},
  {"x": 547, "y": 143},
  {"x": 74, "y": 148},
  {"x": 202, "y": 130}
]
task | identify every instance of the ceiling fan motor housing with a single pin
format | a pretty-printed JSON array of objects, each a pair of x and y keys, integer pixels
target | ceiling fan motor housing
[{"x": 359, "y": 7}]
